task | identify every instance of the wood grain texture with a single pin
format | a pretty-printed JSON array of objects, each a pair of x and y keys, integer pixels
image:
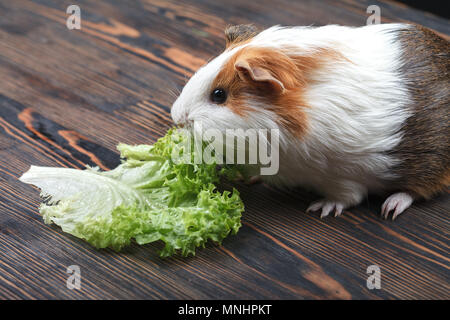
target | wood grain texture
[{"x": 67, "y": 97}]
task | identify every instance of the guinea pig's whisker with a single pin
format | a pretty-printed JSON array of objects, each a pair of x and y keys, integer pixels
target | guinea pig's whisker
[{"x": 173, "y": 93}]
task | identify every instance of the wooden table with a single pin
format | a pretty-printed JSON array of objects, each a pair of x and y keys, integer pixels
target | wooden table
[{"x": 67, "y": 97}]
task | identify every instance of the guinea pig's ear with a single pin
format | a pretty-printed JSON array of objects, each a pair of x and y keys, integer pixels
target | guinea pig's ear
[
  {"x": 239, "y": 33},
  {"x": 258, "y": 74}
]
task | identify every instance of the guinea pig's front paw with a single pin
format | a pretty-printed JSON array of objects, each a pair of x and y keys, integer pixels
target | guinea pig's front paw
[{"x": 326, "y": 207}]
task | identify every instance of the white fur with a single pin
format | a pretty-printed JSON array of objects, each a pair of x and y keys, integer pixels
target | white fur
[{"x": 354, "y": 114}]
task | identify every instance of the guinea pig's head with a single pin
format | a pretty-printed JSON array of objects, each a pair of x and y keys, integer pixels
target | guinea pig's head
[{"x": 247, "y": 86}]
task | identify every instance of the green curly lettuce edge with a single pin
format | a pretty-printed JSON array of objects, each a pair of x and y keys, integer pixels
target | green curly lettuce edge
[{"x": 149, "y": 197}]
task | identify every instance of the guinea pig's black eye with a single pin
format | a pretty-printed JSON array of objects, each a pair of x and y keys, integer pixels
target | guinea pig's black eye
[{"x": 218, "y": 95}]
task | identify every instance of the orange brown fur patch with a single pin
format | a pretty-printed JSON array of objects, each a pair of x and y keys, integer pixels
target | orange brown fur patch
[{"x": 292, "y": 71}]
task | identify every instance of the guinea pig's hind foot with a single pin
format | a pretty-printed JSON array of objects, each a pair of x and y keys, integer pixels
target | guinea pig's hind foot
[
  {"x": 327, "y": 206},
  {"x": 398, "y": 202}
]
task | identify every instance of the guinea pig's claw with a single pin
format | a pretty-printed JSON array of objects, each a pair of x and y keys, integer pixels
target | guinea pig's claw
[
  {"x": 398, "y": 202},
  {"x": 338, "y": 210},
  {"x": 315, "y": 206},
  {"x": 326, "y": 208}
]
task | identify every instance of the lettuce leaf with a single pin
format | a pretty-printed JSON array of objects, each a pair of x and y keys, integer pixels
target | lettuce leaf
[{"x": 149, "y": 197}]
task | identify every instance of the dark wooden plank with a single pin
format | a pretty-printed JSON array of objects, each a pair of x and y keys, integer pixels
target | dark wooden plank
[{"x": 68, "y": 97}]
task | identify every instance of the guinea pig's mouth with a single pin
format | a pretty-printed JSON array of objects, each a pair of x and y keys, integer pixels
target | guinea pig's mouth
[{"x": 185, "y": 125}]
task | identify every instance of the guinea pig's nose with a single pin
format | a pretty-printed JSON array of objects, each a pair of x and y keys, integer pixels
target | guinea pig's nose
[{"x": 180, "y": 118}]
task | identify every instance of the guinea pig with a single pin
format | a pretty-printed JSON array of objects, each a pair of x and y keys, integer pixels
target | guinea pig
[{"x": 359, "y": 109}]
